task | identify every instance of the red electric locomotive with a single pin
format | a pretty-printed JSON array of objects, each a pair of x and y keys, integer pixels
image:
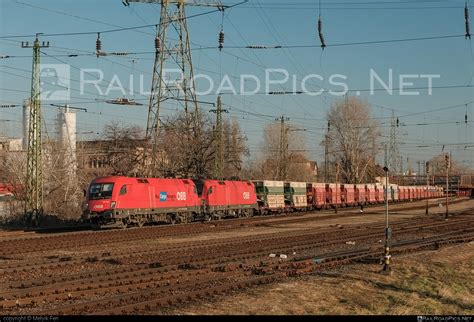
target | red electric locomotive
[
  {"x": 122, "y": 201},
  {"x": 228, "y": 199}
]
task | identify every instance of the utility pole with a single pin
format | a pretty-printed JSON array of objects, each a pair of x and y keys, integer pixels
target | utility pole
[
  {"x": 427, "y": 171},
  {"x": 402, "y": 181},
  {"x": 409, "y": 169},
  {"x": 388, "y": 230},
  {"x": 337, "y": 181},
  {"x": 393, "y": 156},
  {"x": 447, "y": 160},
  {"x": 34, "y": 169},
  {"x": 175, "y": 49},
  {"x": 282, "y": 149},
  {"x": 219, "y": 141},
  {"x": 326, "y": 143}
]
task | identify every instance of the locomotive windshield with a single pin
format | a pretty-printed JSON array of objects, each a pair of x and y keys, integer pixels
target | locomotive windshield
[{"x": 101, "y": 191}]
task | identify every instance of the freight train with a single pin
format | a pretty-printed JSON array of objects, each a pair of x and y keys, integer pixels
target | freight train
[{"x": 125, "y": 201}]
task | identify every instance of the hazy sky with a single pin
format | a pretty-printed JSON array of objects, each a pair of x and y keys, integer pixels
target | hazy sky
[{"x": 427, "y": 121}]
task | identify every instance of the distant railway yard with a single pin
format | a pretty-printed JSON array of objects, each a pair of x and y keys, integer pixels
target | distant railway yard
[{"x": 164, "y": 269}]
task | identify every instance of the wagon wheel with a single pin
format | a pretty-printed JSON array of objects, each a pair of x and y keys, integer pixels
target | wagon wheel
[
  {"x": 141, "y": 222},
  {"x": 123, "y": 224},
  {"x": 188, "y": 218},
  {"x": 172, "y": 219},
  {"x": 183, "y": 218},
  {"x": 248, "y": 213}
]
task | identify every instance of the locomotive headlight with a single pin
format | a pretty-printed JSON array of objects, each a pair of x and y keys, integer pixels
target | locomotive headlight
[{"x": 112, "y": 204}]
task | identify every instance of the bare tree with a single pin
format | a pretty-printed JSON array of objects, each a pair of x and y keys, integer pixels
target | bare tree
[
  {"x": 62, "y": 186},
  {"x": 438, "y": 166},
  {"x": 62, "y": 190},
  {"x": 188, "y": 147},
  {"x": 352, "y": 138},
  {"x": 292, "y": 155},
  {"x": 185, "y": 145},
  {"x": 123, "y": 147},
  {"x": 13, "y": 172},
  {"x": 235, "y": 149},
  {"x": 13, "y": 165}
]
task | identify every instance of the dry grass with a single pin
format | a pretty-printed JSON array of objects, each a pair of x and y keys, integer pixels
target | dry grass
[{"x": 428, "y": 283}]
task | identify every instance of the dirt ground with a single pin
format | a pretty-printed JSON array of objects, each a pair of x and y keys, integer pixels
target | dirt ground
[
  {"x": 433, "y": 282},
  {"x": 430, "y": 283}
]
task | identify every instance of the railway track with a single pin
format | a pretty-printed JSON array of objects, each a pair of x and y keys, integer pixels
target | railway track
[
  {"x": 60, "y": 261},
  {"x": 89, "y": 238},
  {"x": 171, "y": 249},
  {"x": 144, "y": 300},
  {"x": 180, "y": 272}
]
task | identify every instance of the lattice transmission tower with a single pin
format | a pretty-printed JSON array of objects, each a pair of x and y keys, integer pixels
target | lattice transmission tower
[
  {"x": 171, "y": 52},
  {"x": 34, "y": 168},
  {"x": 219, "y": 140},
  {"x": 393, "y": 163}
]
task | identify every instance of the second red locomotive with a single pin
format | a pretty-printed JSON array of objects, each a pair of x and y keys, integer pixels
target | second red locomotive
[{"x": 123, "y": 201}]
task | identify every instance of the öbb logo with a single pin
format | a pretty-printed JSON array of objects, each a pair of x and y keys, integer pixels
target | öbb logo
[
  {"x": 181, "y": 195},
  {"x": 163, "y": 196}
]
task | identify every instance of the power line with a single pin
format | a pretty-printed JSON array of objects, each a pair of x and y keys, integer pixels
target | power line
[
  {"x": 370, "y": 42},
  {"x": 355, "y": 8},
  {"x": 119, "y": 29},
  {"x": 72, "y": 15},
  {"x": 253, "y": 47},
  {"x": 334, "y": 3},
  {"x": 356, "y": 90},
  {"x": 259, "y": 64}
]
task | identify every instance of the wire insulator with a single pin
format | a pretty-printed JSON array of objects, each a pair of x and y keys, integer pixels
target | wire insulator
[
  {"x": 398, "y": 122},
  {"x": 221, "y": 40},
  {"x": 98, "y": 44},
  {"x": 157, "y": 44},
  {"x": 320, "y": 31},
  {"x": 466, "y": 18},
  {"x": 465, "y": 118}
]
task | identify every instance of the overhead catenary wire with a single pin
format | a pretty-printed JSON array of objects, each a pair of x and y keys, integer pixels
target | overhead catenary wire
[
  {"x": 276, "y": 35},
  {"x": 259, "y": 62},
  {"x": 260, "y": 47},
  {"x": 119, "y": 29},
  {"x": 96, "y": 100},
  {"x": 275, "y": 47},
  {"x": 356, "y": 43},
  {"x": 360, "y": 9},
  {"x": 356, "y": 90}
]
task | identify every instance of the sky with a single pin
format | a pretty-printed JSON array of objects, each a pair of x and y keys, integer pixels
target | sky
[{"x": 430, "y": 123}]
